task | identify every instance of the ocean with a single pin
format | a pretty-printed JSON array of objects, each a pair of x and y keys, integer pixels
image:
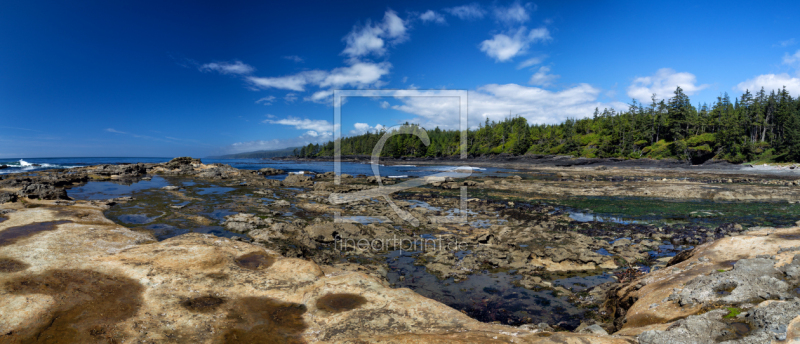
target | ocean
[{"x": 352, "y": 168}]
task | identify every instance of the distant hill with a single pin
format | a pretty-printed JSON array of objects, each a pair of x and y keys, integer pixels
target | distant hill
[{"x": 262, "y": 154}]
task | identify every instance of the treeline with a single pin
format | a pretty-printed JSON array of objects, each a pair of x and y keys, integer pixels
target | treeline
[{"x": 754, "y": 127}]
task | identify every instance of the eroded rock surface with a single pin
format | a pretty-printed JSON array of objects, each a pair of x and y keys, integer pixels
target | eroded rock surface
[
  {"x": 742, "y": 289},
  {"x": 90, "y": 280}
]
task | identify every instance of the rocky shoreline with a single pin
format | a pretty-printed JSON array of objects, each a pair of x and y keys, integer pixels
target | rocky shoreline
[
  {"x": 544, "y": 162},
  {"x": 278, "y": 253}
]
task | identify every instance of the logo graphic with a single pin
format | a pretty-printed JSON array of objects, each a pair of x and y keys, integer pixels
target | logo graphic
[{"x": 384, "y": 191}]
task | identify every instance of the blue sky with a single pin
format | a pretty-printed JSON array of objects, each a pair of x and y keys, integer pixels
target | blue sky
[{"x": 153, "y": 78}]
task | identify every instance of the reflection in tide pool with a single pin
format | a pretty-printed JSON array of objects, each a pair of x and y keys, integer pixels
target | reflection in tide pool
[
  {"x": 108, "y": 190},
  {"x": 364, "y": 220},
  {"x": 489, "y": 296},
  {"x": 589, "y": 217}
]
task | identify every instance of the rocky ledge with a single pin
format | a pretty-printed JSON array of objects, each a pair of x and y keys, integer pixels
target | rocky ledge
[
  {"x": 67, "y": 274},
  {"x": 741, "y": 289}
]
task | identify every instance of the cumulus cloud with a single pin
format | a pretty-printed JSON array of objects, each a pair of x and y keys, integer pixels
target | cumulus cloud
[
  {"x": 467, "y": 12},
  {"x": 266, "y": 100},
  {"x": 772, "y": 82},
  {"x": 496, "y": 102},
  {"x": 235, "y": 67},
  {"x": 514, "y": 14},
  {"x": 505, "y": 46},
  {"x": 542, "y": 78},
  {"x": 663, "y": 84},
  {"x": 371, "y": 38},
  {"x": 361, "y": 74},
  {"x": 363, "y": 128},
  {"x": 432, "y": 16}
]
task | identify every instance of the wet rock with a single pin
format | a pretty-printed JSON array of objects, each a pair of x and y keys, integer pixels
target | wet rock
[
  {"x": 219, "y": 172},
  {"x": 182, "y": 162},
  {"x": 7, "y": 197},
  {"x": 269, "y": 171},
  {"x": 42, "y": 191},
  {"x": 298, "y": 180},
  {"x": 120, "y": 171}
]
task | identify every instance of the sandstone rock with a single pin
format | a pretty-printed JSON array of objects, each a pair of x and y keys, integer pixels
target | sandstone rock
[
  {"x": 593, "y": 329},
  {"x": 90, "y": 279},
  {"x": 763, "y": 270}
]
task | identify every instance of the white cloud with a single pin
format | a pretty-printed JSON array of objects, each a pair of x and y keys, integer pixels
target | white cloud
[
  {"x": 294, "y": 58},
  {"x": 235, "y": 67},
  {"x": 295, "y": 82},
  {"x": 394, "y": 26},
  {"x": 531, "y": 62},
  {"x": 370, "y": 39},
  {"x": 432, "y": 16},
  {"x": 266, "y": 100},
  {"x": 322, "y": 97},
  {"x": 467, "y": 12},
  {"x": 317, "y": 125},
  {"x": 496, "y": 102},
  {"x": 251, "y": 146},
  {"x": 792, "y": 60},
  {"x": 290, "y": 97},
  {"x": 772, "y": 82},
  {"x": 384, "y": 105},
  {"x": 514, "y": 14},
  {"x": 363, "y": 128},
  {"x": 359, "y": 75},
  {"x": 505, "y": 46},
  {"x": 541, "y": 78},
  {"x": 663, "y": 84},
  {"x": 786, "y": 43}
]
